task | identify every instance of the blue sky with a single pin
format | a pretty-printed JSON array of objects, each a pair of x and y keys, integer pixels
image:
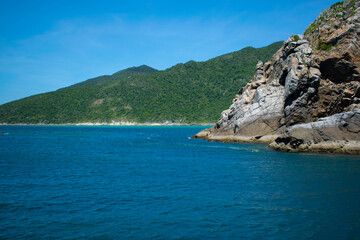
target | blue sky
[{"x": 46, "y": 45}]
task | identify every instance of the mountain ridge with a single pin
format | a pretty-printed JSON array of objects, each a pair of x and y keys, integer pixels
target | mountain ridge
[
  {"x": 184, "y": 93},
  {"x": 116, "y": 76}
]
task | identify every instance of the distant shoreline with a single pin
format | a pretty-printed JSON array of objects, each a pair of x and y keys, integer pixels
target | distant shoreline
[{"x": 108, "y": 124}]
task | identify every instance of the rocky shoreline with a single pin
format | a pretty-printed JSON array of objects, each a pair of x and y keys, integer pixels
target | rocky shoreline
[
  {"x": 207, "y": 134},
  {"x": 109, "y": 124},
  {"x": 338, "y": 133},
  {"x": 307, "y": 97}
]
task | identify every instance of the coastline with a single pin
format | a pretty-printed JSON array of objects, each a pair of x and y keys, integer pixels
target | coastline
[
  {"x": 108, "y": 124},
  {"x": 335, "y": 146},
  {"x": 347, "y": 147},
  {"x": 328, "y": 147},
  {"x": 208, "y": 135}
]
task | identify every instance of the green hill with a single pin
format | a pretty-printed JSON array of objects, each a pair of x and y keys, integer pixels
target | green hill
[
  {"x": 116, "y": 76},
  {"x": 194, "y": 92}
]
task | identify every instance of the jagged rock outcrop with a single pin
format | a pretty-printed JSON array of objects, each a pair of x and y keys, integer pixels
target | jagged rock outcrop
[
  {"x": 338, "y": 133},
  {"x": 311, "y": 76}
]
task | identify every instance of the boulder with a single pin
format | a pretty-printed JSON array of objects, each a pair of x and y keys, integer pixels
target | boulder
[{"x": 339, "y": 133}]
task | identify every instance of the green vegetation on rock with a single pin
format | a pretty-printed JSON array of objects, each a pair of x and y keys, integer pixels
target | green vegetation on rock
[
  {"x": 334, "y": 12},
  {"x": 296, "y": 38},
  {"x": 331, "y": 18},
  {"x": 194, "y": 92}
]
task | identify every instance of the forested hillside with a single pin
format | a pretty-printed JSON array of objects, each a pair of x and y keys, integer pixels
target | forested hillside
[{"x": 194, "y": 92}]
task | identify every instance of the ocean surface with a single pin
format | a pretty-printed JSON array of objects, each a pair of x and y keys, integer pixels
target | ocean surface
[{"x": 71, "y": 182}]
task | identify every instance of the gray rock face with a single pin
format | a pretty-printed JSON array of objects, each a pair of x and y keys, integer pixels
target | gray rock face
[
  {"x": 257, "y": 108},
  {"x": 337, "y": 133},
  {"x": 262, "y": 103}
]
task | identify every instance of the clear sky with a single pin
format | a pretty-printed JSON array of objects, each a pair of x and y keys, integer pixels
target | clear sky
[{"x": 49, "y": 44}]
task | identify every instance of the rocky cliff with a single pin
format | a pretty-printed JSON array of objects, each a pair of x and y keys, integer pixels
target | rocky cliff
[{"x": 312, "y": 76}]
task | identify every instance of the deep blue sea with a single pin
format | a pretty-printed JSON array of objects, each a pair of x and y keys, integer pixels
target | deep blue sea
[{"x": 71, "y": 182}]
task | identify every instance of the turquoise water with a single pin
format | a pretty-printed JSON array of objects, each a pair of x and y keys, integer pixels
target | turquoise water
[{"x": 156, "y": 183}]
